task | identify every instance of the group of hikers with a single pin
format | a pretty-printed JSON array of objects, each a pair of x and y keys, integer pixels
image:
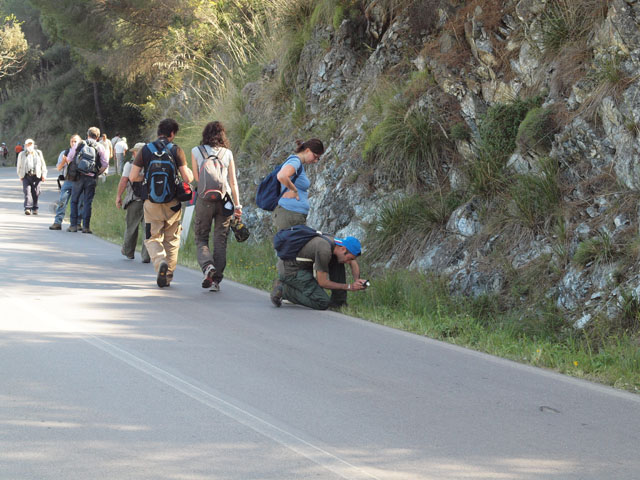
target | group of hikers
[{"x": 156, "y": 182}]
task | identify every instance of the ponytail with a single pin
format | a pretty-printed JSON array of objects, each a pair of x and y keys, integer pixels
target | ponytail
[{"x": 314, "y": 145}]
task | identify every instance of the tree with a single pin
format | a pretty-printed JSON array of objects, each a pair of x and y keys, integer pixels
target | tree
[{"x": 13, "y": 48}]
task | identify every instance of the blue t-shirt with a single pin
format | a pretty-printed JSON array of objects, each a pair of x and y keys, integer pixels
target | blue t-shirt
[{"x": 302, "y": 183}]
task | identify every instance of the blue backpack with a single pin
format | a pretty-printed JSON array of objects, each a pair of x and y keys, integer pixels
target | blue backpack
[
  {"x": 269, "y": 193},
  {"x": 160, "y": 175},
  {"x": 289, "y": 241}
]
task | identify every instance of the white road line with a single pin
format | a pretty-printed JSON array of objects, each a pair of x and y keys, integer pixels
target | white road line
[{"x": 306, "y": 448}]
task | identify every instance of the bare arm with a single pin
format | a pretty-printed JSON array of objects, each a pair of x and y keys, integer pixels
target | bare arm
[
  {"x": 194, "y": 168},
  {"x": 324, "y": 282},
  {"x": 187, "y": 174},
  {"x": 355, "y": 269},
  {"x": 235, "y": 194},
  {"x": 122, "y": 185},
  {"x": 284, "y": 177}
]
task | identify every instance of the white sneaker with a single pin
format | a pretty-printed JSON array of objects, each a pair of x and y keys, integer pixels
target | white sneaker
[{"x": 209, "y": 272}]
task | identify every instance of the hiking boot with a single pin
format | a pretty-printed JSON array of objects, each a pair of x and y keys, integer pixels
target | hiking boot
[
  {"x": 72, "y": 228},
  {"x": 145, "y": 260},
  {"x": 215, "y": 287},
  {"x": 162, "y": 275},
  {"x": 27, "y": 212},
  {"x": 55, "y": 226},
  {"x": 86, "y": 230},
  {"x": 209, "y": 272},
  {"x": 276, "y": 293},
  {"x": 34, "y": 212},
  {"x": 130, "y": 257}
]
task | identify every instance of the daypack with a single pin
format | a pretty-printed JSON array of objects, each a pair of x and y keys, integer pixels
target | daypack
[
  {"x": 289, "y": 241},
  {"x": 269, "y": 190},
  {"x": 87, "y": 157},
  {"x": 160, "y": 176},
  {"x": 212, "y": 177}
]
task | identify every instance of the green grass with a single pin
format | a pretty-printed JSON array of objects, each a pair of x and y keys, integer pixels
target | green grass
[
  {"x": 405, "y": 143},
  {"x": 606, "y": 352},
  {"x": 536, "y": 198}
]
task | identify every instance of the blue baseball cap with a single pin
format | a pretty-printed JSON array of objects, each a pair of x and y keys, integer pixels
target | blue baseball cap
[{"x": 352, "y": 244}]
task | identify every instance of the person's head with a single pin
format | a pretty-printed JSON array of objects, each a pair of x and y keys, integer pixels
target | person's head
[
  {"x": 309, "y": 151},
  {"x": 103, "y": 136},
  {"x": 136, "y": 148},
  {"x": 29, "y": 145},
  {"x": 347, "y": 249},
  {"x": 215, "y": 135},
  {"x": 74, "y": 140},
  {"x": 168, "y": 128},
  {"x": 93, "y": 132},
  {"x": 123, "y": 139}
]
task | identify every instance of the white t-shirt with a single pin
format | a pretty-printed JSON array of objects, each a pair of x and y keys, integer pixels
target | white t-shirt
[{"x": 121, "y": 147}]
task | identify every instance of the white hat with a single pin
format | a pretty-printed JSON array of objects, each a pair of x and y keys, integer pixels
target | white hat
[{"x": 28, "y": 141}]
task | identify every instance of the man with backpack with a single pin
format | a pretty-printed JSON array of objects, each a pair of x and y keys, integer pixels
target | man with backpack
[
  {"x": 161, "y": 161},
  {"x": 134, "y": 205},
  {"x": 327, "y": 255},
  {"x": 90, "y": 161}
]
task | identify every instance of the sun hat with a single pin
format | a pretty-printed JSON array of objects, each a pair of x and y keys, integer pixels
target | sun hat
[
  {"x": 28, "y": 141},
  {"x": 138, "y": 146},
  {"x": 352, "y": 244}
]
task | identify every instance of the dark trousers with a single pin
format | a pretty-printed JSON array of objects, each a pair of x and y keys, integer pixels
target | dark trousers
[
  {"x": 134, "y": 217},
  {"x": 206, "y": 214},
  {"x": 31, "y": 190},
  {"x": 85, "y": 186},
  {"x": 302, "y": 288}
]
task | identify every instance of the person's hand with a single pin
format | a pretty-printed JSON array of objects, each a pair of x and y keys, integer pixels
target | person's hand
[
  {"x": 238, "y": 212},
  {"x": 359, "y": 284},
  {"x": 42, "y": 179},
  {"x": 118, "y": 202},
  {"x": 291, "y": 194}
]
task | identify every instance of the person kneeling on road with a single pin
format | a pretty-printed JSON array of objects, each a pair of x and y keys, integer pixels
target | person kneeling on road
[{"x": 328, "y": 256}]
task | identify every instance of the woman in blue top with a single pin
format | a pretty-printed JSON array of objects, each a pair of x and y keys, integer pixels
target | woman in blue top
[{"x": 293, "y": 206}]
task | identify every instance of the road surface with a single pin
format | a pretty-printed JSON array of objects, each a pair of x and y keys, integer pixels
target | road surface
[{"x": 105, "y": 376}]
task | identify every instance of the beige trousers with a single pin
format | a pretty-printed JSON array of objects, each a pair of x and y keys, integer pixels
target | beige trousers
[{"x": 163, "y": 233}]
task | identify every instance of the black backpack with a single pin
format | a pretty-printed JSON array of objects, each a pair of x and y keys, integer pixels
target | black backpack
[
  {"x": 86, "y": 158},
  {"x": 160, "y": 176},
  {"x": 289, "y": 241}
]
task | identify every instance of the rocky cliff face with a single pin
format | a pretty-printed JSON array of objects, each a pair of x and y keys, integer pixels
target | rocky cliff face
[{"x": 474, "y": 57}]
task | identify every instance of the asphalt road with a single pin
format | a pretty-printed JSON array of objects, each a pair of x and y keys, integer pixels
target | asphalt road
[{"x": 105, "y": 376}]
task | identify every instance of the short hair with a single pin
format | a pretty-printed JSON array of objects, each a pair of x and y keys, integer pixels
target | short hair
[
  {"x": 93, "y": 132},
  {"x": 215, "y": 135},
  {"x": 167, "y": 126}
]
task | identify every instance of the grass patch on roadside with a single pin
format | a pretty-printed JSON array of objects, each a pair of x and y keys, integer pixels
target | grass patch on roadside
[{"x": 421, "y": 304}]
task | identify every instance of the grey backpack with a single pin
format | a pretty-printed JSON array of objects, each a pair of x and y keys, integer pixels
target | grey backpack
[{"x": 212, "y": 176}]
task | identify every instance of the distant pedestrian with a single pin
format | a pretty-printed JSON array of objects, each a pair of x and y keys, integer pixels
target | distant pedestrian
[
  {"x": 4, "y": 151},
  {"x": 293, "y": 206},
  {"x": 120, "y": 150},
  {"x": 161, "y": 208},
  {"x": 65, "y": 189},
  {"x": 32, "y": 170},
  {"x": 91, "y": 160},
  {"x": 108, "y": 148},
  {"x": 218, "y": 201},
  {"x": 18, "y": 148},
  {"x": 134, "y": 206}
]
